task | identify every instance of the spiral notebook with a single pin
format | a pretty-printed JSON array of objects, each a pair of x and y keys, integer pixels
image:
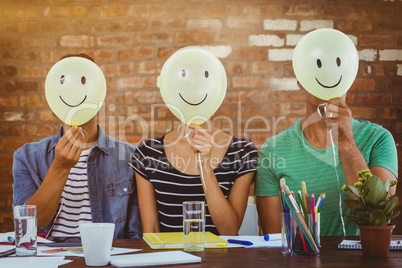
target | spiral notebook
[
  {"x": 355, "y": 244},
  {"x": 175, "y": 240}
]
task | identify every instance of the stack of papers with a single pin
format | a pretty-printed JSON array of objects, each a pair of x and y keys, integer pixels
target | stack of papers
[
  {"x": 156, "y": 258},
  {"x": 33, "y": 262}
]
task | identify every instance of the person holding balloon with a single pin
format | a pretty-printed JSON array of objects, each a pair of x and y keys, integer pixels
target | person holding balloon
[
  {"x": 81, "y": 174},
  {"x": 327, "y": 147},
  {"x": 195, "y": 162}
]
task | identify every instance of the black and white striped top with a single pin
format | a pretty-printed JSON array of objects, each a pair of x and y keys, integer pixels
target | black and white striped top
[
  {"x": 74, "y": 202},
  {"x": 173, "y": 187}
]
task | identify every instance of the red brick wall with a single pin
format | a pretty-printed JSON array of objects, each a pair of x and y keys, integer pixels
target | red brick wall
[{"x": 131, "y": 40}]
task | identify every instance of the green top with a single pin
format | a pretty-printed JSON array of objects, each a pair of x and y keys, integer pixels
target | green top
[{"x": 289, "y": 155}]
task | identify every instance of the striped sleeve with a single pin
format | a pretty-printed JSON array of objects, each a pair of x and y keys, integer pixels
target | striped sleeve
[
  {"x": 139, "y": 161},
  {"x": 249, "y": 159}
]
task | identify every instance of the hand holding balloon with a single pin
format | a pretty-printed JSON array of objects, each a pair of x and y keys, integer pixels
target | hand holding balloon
[
  {"x": 201, "y": 141},
  {"x": 67, "y": 150},
  {"x": 338, "y": 117},
  {"x": 325, "y": 62}
]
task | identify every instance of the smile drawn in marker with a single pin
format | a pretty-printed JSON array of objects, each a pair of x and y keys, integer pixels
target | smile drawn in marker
[
  {"x": 329, "y": 86},
  {"x": 73, "y": 105},
  {"x": 194, "y": 104}
]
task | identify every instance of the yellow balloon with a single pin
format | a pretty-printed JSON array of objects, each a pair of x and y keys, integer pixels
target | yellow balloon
[
  {"x": 326, "y": 62},
  {"x": 75, "y": 90},
  {"x": 193, "y": 84}
]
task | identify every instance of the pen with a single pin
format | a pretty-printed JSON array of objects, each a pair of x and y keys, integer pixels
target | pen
[
  {"x": 271, "y": 237},
  {"x": 241, "y": 242},
  {"x": 64, "y": 244},
  {"x": 322, "y": 201},
  {"x": 12, "y": 240}
]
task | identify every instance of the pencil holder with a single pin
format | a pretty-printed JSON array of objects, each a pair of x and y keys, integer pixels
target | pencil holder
[{"x": 300, "y": 234}]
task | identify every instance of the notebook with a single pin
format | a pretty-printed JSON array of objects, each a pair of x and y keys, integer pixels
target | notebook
[
  {"x": 175, "y": 240},
  {"x": 155, "y": 258},
  {"x": 355, "y": 244}
]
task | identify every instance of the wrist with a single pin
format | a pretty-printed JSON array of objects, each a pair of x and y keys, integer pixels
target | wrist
[
  {"x": 347, "y": 146},
  {"x": 59, "y": 167}
]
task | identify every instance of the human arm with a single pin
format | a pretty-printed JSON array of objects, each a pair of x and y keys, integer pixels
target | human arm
[
  {"x": 382, "y": 158},
  {"x": 147, "y": 205},
  {"x": 227, "y": 214},
  {"x": 47, "y": 197},
  {"x": 267, "y": 189},
  {"x": 338, "y": 117},
  {"x": 269, "y": 213}
]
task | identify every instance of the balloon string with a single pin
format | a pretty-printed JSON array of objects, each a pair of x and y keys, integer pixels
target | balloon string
[
  {"x": 202, "y": 174},
  {"x": 335, "y": 166},
  {"x": 337, "y": 179},
  {"x": 83, "y": 133},
  {"x": 178, "y": 132}
]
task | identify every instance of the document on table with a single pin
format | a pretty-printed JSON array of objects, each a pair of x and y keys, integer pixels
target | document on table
[
  {"x": 258, "y": 241},
  {"x": 33, "y": 262},
  {"x": 76, "y": 251},
  {"x": 154, "y": 258},
  {"x": 4, "y": 237}
]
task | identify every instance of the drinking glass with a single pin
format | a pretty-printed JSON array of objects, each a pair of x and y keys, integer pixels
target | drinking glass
[
  {"x": 25, "y": 230},
  {"x": 194, "y": 225}
]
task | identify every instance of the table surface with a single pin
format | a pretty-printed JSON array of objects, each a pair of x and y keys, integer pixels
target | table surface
[{"x": 329, "y": 256}]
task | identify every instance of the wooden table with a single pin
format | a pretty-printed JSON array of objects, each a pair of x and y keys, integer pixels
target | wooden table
[{"x": 330, "y": 256}]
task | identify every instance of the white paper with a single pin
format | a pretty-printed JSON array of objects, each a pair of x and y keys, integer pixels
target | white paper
[
  {"x": 6, "y": 248},
  {"x": 33, "y": 262},
  {"x": 155, "y": 258},
  {"x": 114, "y": 251},
  {"x": 4, "y": 238},
  {"x": 258, "y": 241}
]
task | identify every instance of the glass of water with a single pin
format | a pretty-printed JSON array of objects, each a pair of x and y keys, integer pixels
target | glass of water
[
  {"x": 25, "y": 230},
  {"x": 194, "y": 225}
]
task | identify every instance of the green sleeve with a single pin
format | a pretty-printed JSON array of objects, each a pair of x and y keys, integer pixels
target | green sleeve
[
  {"x": 384, "y": 152},
  {"x": 266, "y": 183}
]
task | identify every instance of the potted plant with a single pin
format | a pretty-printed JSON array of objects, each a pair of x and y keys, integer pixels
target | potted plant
[{"x": 372, "y": 209}]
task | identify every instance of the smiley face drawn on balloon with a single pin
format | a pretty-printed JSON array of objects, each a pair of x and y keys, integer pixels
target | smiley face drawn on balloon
[
  {"x": 75, "y": 89},
  {"x": 325, "y": 62},
  {"x": 193, "y": 84}
]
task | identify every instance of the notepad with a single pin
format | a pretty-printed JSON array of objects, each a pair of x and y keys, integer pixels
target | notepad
[
  {"x": 155, "y": 258},
  {"x": 355, "y": 244},
  {"x": 175, "y": 240}
]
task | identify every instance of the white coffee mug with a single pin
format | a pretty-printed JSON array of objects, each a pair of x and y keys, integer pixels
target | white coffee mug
[{"x": 96, "y": 239}]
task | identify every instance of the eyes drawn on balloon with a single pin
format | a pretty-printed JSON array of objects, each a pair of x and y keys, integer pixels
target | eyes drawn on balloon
[
  {"x": 83, "y": 81},
  {"x": 319, "y": 65},
  {"x": 183, "y": 74}
]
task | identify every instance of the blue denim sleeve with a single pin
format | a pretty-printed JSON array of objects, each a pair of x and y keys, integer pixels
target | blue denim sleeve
[
  {"x": 26, "y": 183},
  {"x": 133, "y": 224}
]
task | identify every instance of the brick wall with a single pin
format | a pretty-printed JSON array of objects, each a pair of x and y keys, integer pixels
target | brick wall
[{"x": 131, "y": 40}]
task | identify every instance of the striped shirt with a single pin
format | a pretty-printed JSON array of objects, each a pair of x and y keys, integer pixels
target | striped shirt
[
  {"x": 74, "y": 202},
  {"x": 173, "y": 187}
]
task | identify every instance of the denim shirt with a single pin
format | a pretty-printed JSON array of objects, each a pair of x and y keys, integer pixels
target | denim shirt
[{"x": 111, "y": 182}]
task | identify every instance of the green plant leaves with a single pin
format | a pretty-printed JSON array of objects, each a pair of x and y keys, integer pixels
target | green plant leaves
[
  {"x": 393, "y": 203},
  {"x": 378, "y": 218},
  {"x": 374, "y": 191},
  {"x": 372, "y": 207},
  {"x": 386, "y": 185}
]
